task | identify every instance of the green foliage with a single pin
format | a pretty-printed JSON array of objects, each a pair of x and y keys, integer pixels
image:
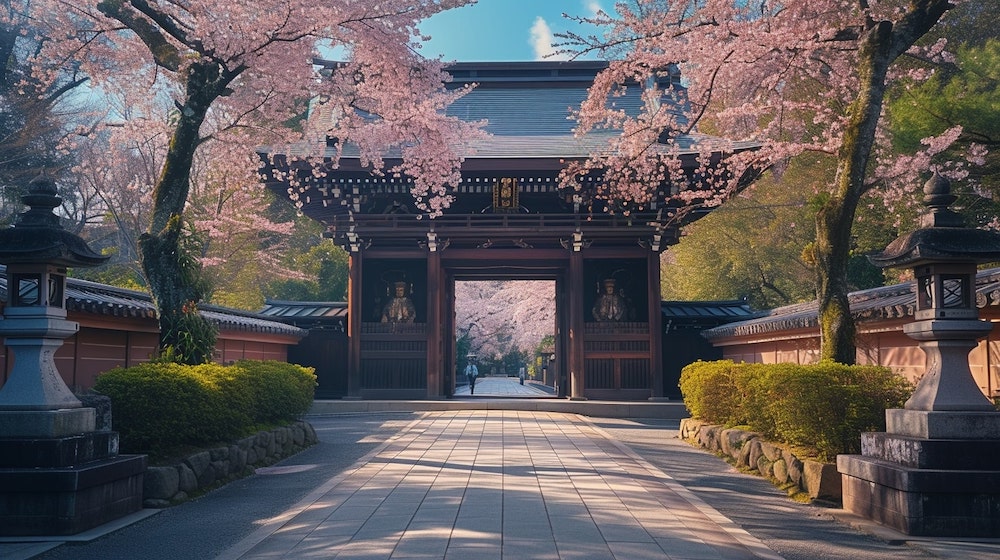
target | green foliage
[
  {"x": 541, "y": 354},
  {"x": 280, "y": 390},
  {"x": 967, "y": 94},
  {"x": 755, "y": 242},
  {"x": 122, "y": 275},
  {"x": 762, "y": 243},
  {"x": 162, "y": 406},
  {"x": 327, "y": 264},
  {"x": 825, "y": 406},
  {"x": 186, "y": 336}
]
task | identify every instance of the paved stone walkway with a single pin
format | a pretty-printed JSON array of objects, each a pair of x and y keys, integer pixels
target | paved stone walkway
[
  {"x": 501, "y": 485},
  {"x": 502, "y": 387}
]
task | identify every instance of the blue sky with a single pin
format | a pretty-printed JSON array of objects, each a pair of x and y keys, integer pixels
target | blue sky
[{"x": 503, "y": 30}]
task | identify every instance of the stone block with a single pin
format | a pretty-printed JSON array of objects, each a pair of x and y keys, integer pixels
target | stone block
[
  {"x": 207, "y": 476},
  {"x": 733, "y": 441},
  {"x": 298, "y": 435},
  {"x": 199, "y": 463},
  {"x": 949, "y": 454},
  {"x": 772, "y": 451},
  {"x": 794, "y": 466},
  {"x": 238, "y": 462},
  {"x": 63, "y": 451},
  {"x": 47, "y": 423},
  {"x": 755, "y": 453},
  {"x": 779, "y": 469},
  {"x": 311, "y": 437},
  {"x": 689, "y": 427},
  {"x": 744, "y": 458},
  {"x": 220, "y": 469},
  {"x": 160, "y": 483},
  {"x": 919, "y": 502},
  {"x": 102, "y": 410},
  {"x": 943, "y": 425},
  {"x": 708, "y": 436},
  {"x": 186, "y": 480},
  {"x": 218, "y": 453},
  {"x": 764, "y": 466},
  {"x": 821, "y": 480},
  {"x": 67, "y": 501}
]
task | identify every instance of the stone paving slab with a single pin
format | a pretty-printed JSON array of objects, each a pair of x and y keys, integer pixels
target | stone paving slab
[
  {"x": 597, "y": 409},
  {"x": 502, "y": 387},
  {"x": 506, "y": 485}
]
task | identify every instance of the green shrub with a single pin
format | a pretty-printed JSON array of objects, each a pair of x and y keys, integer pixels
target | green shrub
[
  {"x": 710, "y": 391},
  {"x": 281, "y": 391},
  {"x": 162, "y": 406},
  {"x": 824, "y": 406}
]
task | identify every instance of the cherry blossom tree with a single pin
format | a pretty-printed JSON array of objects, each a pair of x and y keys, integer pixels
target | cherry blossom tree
[
  {"x": 796, "y": 77},
  {"x": 35, "y": 118},
  {"x": 241, "y": 74},
  {"x": 501, "y": 317}
]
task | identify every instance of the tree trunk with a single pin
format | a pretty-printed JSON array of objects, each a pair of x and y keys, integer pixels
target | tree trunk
[
  {"x": 833, "y": 241},
  {"x": 173, "y": 274},
  {"x": 879, "y": 47},
  {"x": 836, "y": 217}
]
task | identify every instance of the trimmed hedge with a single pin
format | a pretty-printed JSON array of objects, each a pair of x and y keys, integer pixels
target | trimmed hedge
[
  {"x": 824, "y": 406},
  {"x": 281, "y": 391},
  {"x": 162, "y": 406}
]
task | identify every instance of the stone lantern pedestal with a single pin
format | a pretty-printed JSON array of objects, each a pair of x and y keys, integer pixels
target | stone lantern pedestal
[
  {"x": 935, "y": 470},
  {"x": 60, "y": 471}
]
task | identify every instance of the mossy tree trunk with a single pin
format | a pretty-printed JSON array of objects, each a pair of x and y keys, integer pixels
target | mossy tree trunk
[
  {"x": 173, "y": 273},
  {"x": 881, "y": 44}
]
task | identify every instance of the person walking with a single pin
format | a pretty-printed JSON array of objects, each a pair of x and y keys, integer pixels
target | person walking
[{"x": 471, "y": 373}]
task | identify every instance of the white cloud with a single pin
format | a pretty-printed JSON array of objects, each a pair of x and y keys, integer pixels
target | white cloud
[
  {"x": 592, "y": 7},
  {"x": 541, "y": 41}
]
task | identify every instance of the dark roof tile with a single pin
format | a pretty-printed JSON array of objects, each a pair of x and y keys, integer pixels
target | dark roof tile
[
  {"x": 101, "y": 299},
  {"x": 875, "y": 304}
]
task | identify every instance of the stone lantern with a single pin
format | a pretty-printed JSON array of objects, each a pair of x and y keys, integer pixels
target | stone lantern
[
  {"x": 934, "y": 470},
  {"x": 37, "y": 251},
  {"x": 943, "y": 255},
  {"x": 59, "y": 474}
]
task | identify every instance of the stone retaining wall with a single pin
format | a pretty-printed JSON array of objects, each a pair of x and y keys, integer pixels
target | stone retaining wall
[
  {"x": 749, "y": 450},
  {"x": 163, "y": 486}
]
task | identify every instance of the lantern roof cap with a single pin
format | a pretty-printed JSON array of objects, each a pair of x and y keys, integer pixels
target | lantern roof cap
[
  {"x": 38, "y": 237},
  {"x": 942, "y": 237}
]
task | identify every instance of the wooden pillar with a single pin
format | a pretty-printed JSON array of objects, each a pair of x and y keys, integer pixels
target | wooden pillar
[
  {"x": 435, "y": 366},
  {"x": 655, "y": 325},
  {"x": 449, "y": 355},
  {"x": 354, "y": 326},
  {"x": 576, "y": 319}
]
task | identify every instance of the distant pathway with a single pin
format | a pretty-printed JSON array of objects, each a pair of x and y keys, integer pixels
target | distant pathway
[{"x": 502, "y": 387}]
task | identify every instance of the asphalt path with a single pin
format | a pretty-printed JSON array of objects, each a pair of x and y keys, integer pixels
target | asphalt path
[
  {"x": 794, "y": 530},
  {"x": 207, "y": 526}
]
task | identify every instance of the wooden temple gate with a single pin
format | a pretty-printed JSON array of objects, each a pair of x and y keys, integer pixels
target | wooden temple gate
[{"x": 511, "y": 219}]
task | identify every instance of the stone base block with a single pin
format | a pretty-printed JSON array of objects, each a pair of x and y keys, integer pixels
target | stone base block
[
  {"x": 950, "y": 454},
  {"x": 67, "y": 501},
  {"x": 943, "y": 425},
  {"x": 57, "y": 452},
  {"x": 924, "y": 502},
  {"x": 46, "y": 423}
]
